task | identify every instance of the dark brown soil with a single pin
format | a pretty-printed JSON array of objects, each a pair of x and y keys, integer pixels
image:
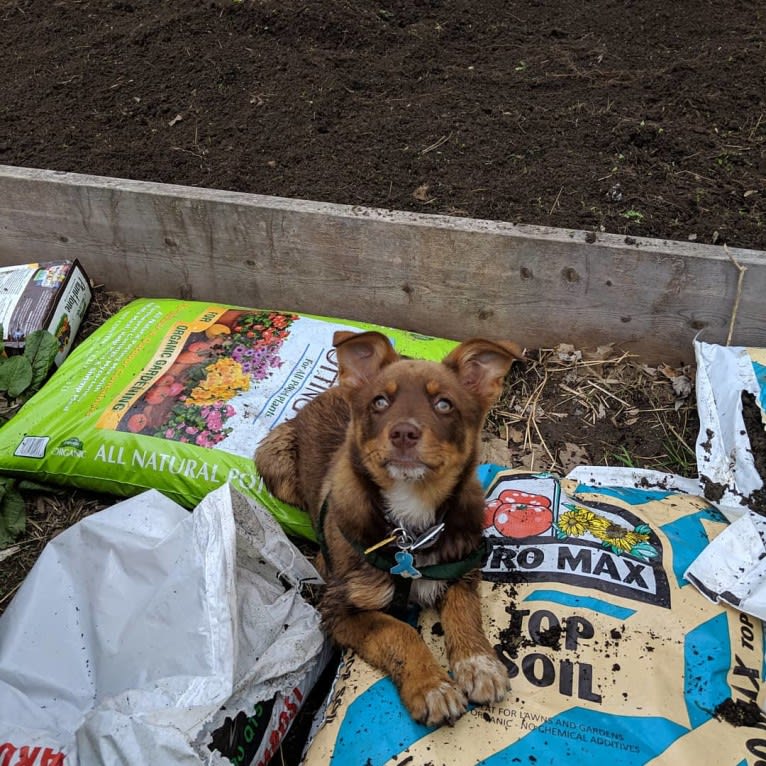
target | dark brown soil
[
  {"x": 739, "y": 713},
  {"x": 561, "y": 409},
  {"x": 636, "y": 117},
  {"x": 756, "y": 434}
]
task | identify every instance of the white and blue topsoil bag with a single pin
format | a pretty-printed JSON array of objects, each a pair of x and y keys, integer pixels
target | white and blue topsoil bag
[{"x": 613, "y": 655}]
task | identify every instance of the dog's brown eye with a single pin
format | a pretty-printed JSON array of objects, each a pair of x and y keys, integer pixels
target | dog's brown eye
[
  {"x": 443, "y": 406},
  {"x": 380, "y": 403}
]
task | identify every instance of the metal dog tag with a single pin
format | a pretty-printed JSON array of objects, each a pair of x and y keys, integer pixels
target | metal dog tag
[{"x": 429, "y": 537}]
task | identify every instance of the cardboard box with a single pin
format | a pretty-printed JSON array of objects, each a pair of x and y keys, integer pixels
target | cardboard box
[{"x": 51, "y": 296}]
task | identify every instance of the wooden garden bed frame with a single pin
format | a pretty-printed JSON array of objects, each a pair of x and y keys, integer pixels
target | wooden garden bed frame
[{"x": 438, "y": 275}]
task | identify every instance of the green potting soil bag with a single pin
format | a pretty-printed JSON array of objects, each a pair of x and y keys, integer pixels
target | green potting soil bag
[{"x": 176, "y": 395}]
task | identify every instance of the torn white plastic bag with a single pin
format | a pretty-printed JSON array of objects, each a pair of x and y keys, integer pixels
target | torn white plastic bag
[
  {"x": 725, "y": 458},
  {"x": 732, "y": 569},
  {"x": 146, "y": 634}
]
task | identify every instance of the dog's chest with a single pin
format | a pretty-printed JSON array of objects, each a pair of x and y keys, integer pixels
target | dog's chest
[
  {"x": 427, "y": 592},
  {"x": 407, "y": 508}
]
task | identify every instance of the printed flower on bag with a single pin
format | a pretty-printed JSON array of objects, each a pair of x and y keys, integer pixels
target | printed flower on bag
[
  {"x": 255, "y": 361},
  {"x": 255, "y": 340},
  {"x": 190, "y": 402},
  {"x": 195, "y": 424},
  {"x": 579, "y": 521},
  {"x": 223, "y": 379}
]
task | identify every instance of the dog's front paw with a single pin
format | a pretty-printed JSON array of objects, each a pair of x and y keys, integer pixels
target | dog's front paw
[
  {"x": 435, "y": 704},
  {"x": 483, "y": 678}
]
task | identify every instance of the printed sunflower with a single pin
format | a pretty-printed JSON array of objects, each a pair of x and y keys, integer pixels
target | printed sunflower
[
  {"x": 577, "y": 521},
  {"x": 571, "y": 524},
  {"x": 621, "y": 540}
]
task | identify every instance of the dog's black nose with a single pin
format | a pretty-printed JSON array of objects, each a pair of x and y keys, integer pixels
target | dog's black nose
[{"x": 404, "y": 435}]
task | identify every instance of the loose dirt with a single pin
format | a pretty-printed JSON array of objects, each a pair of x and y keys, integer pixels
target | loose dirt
[{"x": 639, "y": 118}]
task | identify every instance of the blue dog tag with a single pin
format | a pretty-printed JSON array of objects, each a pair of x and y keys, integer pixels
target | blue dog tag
[{"x": 404, "y": 566}]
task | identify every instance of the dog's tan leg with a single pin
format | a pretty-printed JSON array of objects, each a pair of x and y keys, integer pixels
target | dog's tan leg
[
  {"x": 277, "y": 462},
  {"x": 474, "y": 664},
  {"x": 395, "y": 647}
]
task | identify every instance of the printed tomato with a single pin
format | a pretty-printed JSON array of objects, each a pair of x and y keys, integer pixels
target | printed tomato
[
  {"x": 522, "y": 520},
  {"x": 157, "y": 414},
  {"x": 157, "y": 394},
  {"x": 191, "y": 357},
  {"x": 229, "y": 317},
  {"x": 518, "y": 514},
  {"x": 517, "y": 496},
  {"x": 137, "y": 422},
  {"x": 175, "y": 388},
  {"x": 489, "y": 513}
]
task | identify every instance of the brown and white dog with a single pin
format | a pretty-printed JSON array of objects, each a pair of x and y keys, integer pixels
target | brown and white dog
[{"x": 385, "y": 465}]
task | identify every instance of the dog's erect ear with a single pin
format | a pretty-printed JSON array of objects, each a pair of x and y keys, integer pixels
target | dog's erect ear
[
  {"x": 361, "y": 355},
  {"x": 481, "y": 365}
]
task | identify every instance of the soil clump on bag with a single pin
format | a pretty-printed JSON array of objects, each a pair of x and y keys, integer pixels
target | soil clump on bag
[
  {"x": 739, "y": 712},
  {"x": 756, "y": 434}
]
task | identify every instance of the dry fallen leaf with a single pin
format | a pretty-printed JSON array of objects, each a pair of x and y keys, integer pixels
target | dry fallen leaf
[
  {"x": 568, "y": 353},
  {"x": 650, "y": 371},
  {"x": 516, "y": 435},
  {"x": 682, "y": 386},
  {"x": 495, "y": 451},
  {"x": 598, "y": 354},
  {"x": 421, "y": 194},
  {"x": 668, "y": 371},
  {"x": 572, "y": 455},
  {"x": 679, "y": 380}
]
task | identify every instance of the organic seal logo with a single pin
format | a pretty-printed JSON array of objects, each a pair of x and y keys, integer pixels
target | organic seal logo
[
  {"x": 71, "y": 447},
  {"x": 534, "y": 532}
]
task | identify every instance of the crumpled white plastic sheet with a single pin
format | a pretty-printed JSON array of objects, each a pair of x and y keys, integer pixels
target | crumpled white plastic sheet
[
  {"x": 142, "y": 627},
  {"x": 724, "y": 455},
  {"x": 732, "y": 569}
]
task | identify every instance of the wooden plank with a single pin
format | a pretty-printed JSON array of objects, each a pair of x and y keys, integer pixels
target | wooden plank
[{"x": 453, "y": 277}]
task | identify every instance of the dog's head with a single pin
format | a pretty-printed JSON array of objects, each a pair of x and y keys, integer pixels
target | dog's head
[{"x": 415, "y": 421}]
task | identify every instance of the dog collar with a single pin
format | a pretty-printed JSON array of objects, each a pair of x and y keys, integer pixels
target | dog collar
[
  {"x": 405, "y": 541},
  {"x": 401, "y": 564}
]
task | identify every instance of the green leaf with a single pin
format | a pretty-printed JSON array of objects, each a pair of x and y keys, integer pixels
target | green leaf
[
  {"x": 15, "y": 375},
  {"x": 13, "y": 513},
  {"x": 5, "y": 536},
  {"x": 34, "y": 486},
  {"x": 40, "y": 348}
]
